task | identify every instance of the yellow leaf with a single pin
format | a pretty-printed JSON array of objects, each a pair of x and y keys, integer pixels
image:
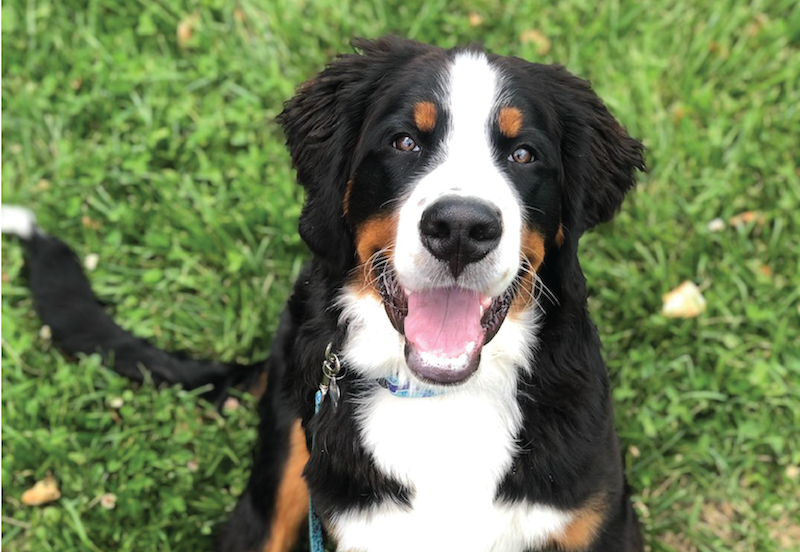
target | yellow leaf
[
  {"x": 42, "y": 492},
  {"x": 685, "y": 301},
  {"x": 537, "y": 38},
  {"x": 474, "y": 19}
]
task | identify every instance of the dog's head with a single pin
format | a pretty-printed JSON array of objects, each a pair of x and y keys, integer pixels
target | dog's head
[{"x": 440, "y": 180}]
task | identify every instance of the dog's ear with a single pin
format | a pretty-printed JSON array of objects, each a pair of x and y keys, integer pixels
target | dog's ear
[
  {"x": 600, "y": 158},
  {"x": 322, "y": 123}
]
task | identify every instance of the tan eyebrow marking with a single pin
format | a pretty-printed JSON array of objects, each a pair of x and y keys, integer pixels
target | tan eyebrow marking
[
  {"x": 425, "y": 116},
  {"x": 510, "y": 121}
]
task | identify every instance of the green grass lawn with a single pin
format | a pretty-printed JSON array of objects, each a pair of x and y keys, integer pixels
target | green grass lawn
[{"x": 160, "y": 155}]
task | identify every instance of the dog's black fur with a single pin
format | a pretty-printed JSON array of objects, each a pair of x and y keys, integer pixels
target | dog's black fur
[{"x": 571, "y": 454}]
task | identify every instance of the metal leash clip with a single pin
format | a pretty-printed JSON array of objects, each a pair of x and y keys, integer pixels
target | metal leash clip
[{"x": 331, "y": 367}]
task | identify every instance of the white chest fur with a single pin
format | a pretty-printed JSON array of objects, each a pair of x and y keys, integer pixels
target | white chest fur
[{"x": 452, "y": 451}]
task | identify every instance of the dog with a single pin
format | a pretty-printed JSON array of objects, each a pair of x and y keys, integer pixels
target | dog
[{"x": 463, "y": 400}]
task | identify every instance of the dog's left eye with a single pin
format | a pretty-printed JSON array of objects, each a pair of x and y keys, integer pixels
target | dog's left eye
[
  {"x": 404, "y": 142},
  {"x": 521, "y": 155}
]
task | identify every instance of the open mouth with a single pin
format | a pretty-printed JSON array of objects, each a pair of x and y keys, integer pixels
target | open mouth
[{"x": 445, "y": 328}]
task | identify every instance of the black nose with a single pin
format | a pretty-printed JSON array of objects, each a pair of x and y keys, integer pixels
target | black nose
[{"x": 460, "y": 231}]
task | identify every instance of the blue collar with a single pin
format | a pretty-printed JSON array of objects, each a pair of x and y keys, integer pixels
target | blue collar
[{"x": 405, "y": 390}]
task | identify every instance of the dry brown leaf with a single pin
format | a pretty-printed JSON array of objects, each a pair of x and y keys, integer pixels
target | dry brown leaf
[
  {"x": 185, "y": 30},
  {"x": 759, "y": 21},
  {"x": 785, "y": 531},
  {"x": 474, "y": 19},
  {"x": 108, "y": 501},
  {"x": 678, "y": 113},
  {"x": 42, "y": 492},
  {"x": 685, "y": 301},
  {"x": 746, "y": 217},
  {"x": 536, "y": 37},
  {"x": 88, "y": 222}
]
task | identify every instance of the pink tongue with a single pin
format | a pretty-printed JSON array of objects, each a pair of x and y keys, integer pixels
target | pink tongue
[{"x": 444, "y": 322}]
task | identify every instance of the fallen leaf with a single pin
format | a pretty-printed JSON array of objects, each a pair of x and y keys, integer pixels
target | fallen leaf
[
  {"x": 746, "y": 217},
  {"x": 231, "y": 403},
  {"x": 108, "y": 501},
  {"x": 759, "y": 21},
  {"x": 185, "y": 30},
  {"x": 42, "y": 492},
  {"x": 678, "y": 113},
  {"x": 88, "y": 222},
  {"x": 45, "y": 333},
  {"x": 792, "y": 472},
  {"x": 537, "y": 38},
  {"x": 685, "y": 301},
  {"x": 786, "y": 531},
  {"x": 716, "y": 225},
  {"x": 90, "y": 261},
  {"x": 474, "y": 19}
]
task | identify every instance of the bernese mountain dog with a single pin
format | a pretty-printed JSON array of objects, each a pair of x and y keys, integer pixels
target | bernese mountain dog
[{"x": 464, "y": 401}]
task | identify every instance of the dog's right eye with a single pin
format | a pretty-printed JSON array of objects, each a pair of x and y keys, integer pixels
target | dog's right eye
[
  {"x": 522, "y": 154},
  {"x": 404, "y": 142}
]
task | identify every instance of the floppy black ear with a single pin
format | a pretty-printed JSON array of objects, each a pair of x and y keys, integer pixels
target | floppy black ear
[
  {"x": 600, "y": 158},
  {"x": 322, "y": 123}
]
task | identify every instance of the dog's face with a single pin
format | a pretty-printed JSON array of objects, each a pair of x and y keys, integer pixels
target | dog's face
[{"x": 440, "y": 180}]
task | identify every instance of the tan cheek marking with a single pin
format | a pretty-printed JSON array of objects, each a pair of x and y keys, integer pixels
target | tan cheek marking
[
  {"x": 580, "y": 534},
  {"x": 375, "y": 234},
  {"x": 291, "y": 506},
  {"x": 533, "y": 251},
  {"x": 560, "y": 235},
  {"x": 425, "y": 116},
  {"x": 510, "y": 121}
]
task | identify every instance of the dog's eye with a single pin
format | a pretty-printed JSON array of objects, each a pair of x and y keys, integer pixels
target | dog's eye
[
  {"x": 404, "y": 142},
  {"x": 521, "y": 155}
]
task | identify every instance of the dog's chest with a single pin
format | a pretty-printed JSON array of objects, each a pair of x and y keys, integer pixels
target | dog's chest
[{"x": 453, "y": 452}]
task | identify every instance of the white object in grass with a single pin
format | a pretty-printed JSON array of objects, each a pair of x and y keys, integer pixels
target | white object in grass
[{"x": 685, "y": 301}]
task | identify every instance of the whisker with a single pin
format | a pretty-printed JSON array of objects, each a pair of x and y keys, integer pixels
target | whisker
[
  {"x": 527, "y": 208},
  {"x": 539, "y": 288},
  {"x": 377, "y": 266}
]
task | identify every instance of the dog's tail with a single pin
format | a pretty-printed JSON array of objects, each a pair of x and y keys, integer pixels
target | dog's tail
[{"x": 65, "y": 302}]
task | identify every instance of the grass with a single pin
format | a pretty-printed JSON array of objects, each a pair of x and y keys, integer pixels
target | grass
[{"x": 161, "y": 156}]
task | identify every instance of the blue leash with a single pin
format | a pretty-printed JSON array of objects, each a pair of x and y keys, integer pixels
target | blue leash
[
  {"x": 327, "y": 387},
  {"x": 316, "y": 542}
]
